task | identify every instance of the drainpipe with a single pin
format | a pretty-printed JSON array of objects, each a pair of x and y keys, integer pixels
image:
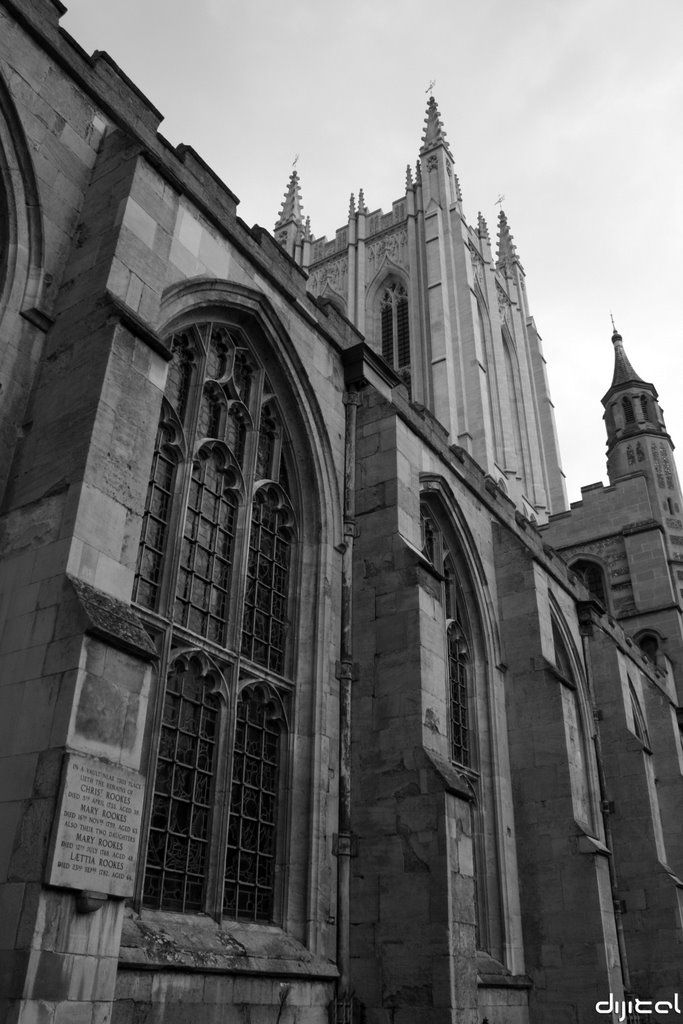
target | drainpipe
[
  {"x": 343, "y": 847},
  {"x": 586, "y": 628}
]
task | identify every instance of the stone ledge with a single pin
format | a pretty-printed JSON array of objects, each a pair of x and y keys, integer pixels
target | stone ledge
[
  {"x": 158, "y": 940},
  {"x": 113, "y": 621}
]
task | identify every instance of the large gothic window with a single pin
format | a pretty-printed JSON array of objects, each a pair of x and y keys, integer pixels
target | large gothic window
[{"x": 213, "y": 580}]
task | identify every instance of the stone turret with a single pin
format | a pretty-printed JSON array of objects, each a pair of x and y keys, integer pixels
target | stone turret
[{"x": 637, "y": 438}]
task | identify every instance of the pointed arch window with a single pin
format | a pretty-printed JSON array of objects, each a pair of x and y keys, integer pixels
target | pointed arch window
[
  {"x": 593, "y": 577},
  {"x": 214, "y": 576},
  {"x": 581, "y": 771},
  {"x": 627, "y": 406},
  {"x": 395, "y": 326}
]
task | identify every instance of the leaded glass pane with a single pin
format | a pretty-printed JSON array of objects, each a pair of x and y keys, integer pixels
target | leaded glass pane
[
  {"x": 177, "y": 852},
  {"x": 250, "y": 860},
  {"x": 207, "y": 552},
  {"x": 402, "y": 330},
  {"x": 265, "y": 605},
  {"x": 457, "y": 678},
  {"x": 155, "y": 525}
]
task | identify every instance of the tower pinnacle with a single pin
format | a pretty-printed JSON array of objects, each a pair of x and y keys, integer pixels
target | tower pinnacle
[
  {"x": 292, "y": 210},
  {"x": 507, "y": 251},
  {"x": 434, "y": 134}
]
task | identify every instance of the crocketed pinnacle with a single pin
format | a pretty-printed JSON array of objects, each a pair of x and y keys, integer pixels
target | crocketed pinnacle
[
  {"x": 434, "y": 134},
  {"x": 352, "y": 205},
  {"x": 507, "y": 252},
  {"x": 362, "y": 208},
  {"x": 482, "y": 228},
  {"x": 409, "y": 177},
  {"x": 292, "y": 210},
  {"x": 623, "y": 371}
]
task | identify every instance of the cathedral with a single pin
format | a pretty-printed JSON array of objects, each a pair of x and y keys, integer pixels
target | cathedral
[{"x": 318, "y": 703}]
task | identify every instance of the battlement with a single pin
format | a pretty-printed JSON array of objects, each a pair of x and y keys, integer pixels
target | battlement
[{"x": 376, "y": 223}]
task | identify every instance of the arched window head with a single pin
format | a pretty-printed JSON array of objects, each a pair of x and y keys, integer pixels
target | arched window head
[
  {"x": 593, "y": 578},
  {"x": 563, "y": 660},
  {"x": 395, "y": 327}
]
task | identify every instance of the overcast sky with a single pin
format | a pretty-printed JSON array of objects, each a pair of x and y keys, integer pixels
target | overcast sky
[{"x": 572, "y": 109}]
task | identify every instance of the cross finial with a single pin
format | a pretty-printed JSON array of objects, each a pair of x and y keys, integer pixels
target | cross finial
[
  {"x": 430, "y": 87},
  {"x": 499, "y": 200},
  {"x": 294, "y": 161},
  {"x": 613, "y": 324}
]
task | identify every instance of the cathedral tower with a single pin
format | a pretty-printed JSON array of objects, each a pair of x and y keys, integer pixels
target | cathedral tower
[{"x": 449, "y": 315}]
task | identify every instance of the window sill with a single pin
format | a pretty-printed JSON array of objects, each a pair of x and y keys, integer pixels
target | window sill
[{"x": 156, "y": 940}]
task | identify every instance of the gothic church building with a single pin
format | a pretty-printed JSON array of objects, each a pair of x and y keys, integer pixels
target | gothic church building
[{"x": 317, "y": 702}]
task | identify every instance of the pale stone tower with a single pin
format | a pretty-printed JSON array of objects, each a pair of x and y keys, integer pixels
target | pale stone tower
[
  {"x": 449, "y": 315},
  {"x": 626, "y": 540}
]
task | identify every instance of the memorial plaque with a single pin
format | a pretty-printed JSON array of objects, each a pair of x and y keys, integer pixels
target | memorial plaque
[{"x": 96, "y": 835}]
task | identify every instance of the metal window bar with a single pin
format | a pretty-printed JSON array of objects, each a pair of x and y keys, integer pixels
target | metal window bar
[
  {"x": 155, "y": 526},
  {"x": 250, "y": 858},
  {"x": 265, "y": 600},
  {"x": 207, "y": 553},
  {"x": 177, "y": 850},
  {"x": 459, "y": 711}
]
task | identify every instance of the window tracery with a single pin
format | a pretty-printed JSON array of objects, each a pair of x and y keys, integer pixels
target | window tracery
[{"x": 215, "y": 559}]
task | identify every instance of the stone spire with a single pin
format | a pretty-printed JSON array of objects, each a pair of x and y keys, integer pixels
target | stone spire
[
  {"x": 623, "y": 371},
  {"x": 434, "y": 134},
  {"x": 290, "y": 227},
  {"x": 507, "y": 251}
]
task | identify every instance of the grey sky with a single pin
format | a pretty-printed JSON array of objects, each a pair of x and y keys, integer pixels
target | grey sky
[{"x": 571, "y": 108}]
